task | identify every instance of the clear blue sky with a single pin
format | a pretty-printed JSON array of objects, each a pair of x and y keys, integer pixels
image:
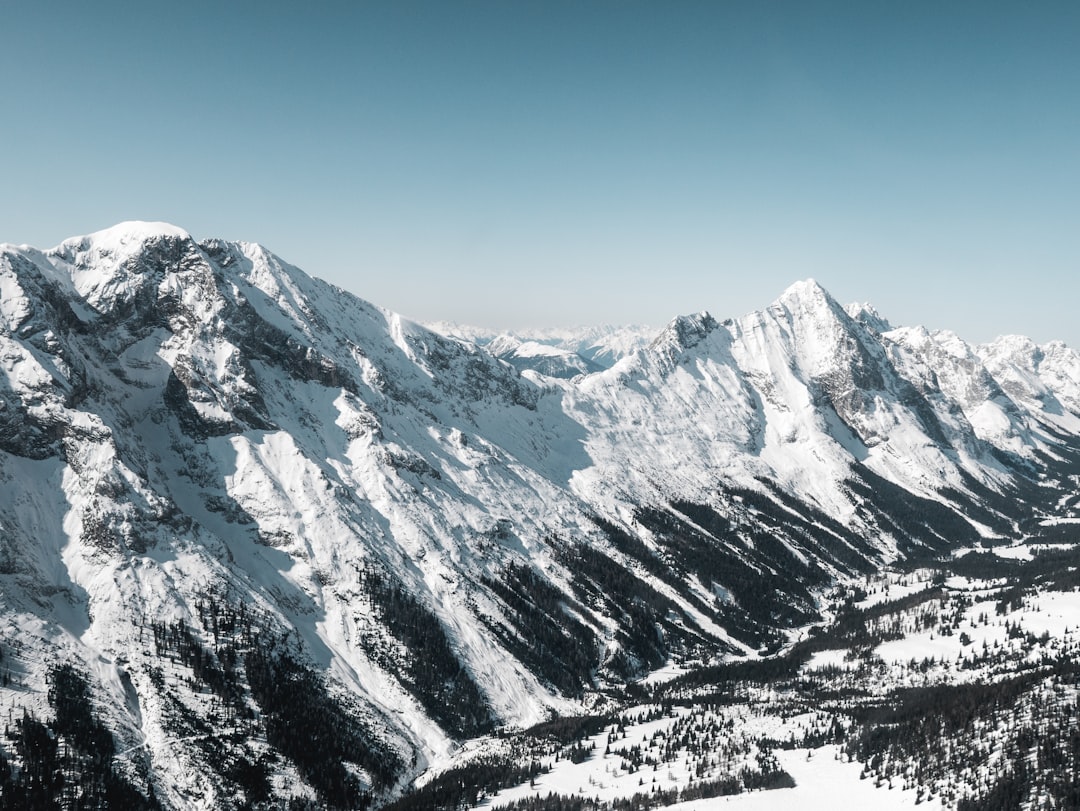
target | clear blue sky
[{"x": 525, "y": 163}]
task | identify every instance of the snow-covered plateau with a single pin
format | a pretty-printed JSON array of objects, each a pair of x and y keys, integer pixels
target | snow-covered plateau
[{"x": 266, "y": 545}]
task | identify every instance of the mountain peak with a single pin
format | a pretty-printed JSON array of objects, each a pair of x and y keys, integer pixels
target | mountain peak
[
  {"x": 810, "y": 305},
  {"x": 804, "y": 292},
  {"x": 689, "y": 329},
  {"x": 682, "y": 333},
  {"x": 132, "y": 232},
  {"x": 118, "y": 243},
  {"x": 866, "y": 315}
]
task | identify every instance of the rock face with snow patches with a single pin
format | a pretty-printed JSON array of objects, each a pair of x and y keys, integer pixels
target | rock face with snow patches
[{"x": 248, "y": 506}]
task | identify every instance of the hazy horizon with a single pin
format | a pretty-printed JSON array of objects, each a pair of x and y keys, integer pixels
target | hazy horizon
[{"x": 555, "y": 164}]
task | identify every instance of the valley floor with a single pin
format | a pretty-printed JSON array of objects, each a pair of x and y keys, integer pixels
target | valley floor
[
  {"x": 951, "y": 686},
  {"x": 824, "y": 781}
]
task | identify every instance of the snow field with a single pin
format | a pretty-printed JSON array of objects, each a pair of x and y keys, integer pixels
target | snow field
[
  {"x": 726, "y": 741},
  {"x": 644, "y": 754},
  {"x": 824, "y": 781}
]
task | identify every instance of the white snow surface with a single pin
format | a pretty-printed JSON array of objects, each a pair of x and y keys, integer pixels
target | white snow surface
[{"x": 823, "y": 782}]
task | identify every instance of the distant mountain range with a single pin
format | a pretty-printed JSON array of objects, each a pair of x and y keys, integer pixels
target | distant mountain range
[
  {"x": 286, "y": 543},
  {"x": 556, "y": 352}
]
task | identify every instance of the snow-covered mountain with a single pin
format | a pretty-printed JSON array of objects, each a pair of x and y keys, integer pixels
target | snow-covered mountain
[
  {"x": 247, "y": 508},
  {"x": 566, "y": 352},
  {"x": 552, "y": 361}
]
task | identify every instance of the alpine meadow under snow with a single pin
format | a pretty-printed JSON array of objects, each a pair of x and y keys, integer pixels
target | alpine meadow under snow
[{"x": 266, "y": 545}]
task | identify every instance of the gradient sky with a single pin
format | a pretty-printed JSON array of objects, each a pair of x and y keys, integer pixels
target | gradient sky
[{"x": 522, "y": 163}]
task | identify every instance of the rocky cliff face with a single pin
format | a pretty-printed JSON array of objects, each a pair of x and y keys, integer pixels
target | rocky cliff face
[{"x": 245, "y": 503}]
